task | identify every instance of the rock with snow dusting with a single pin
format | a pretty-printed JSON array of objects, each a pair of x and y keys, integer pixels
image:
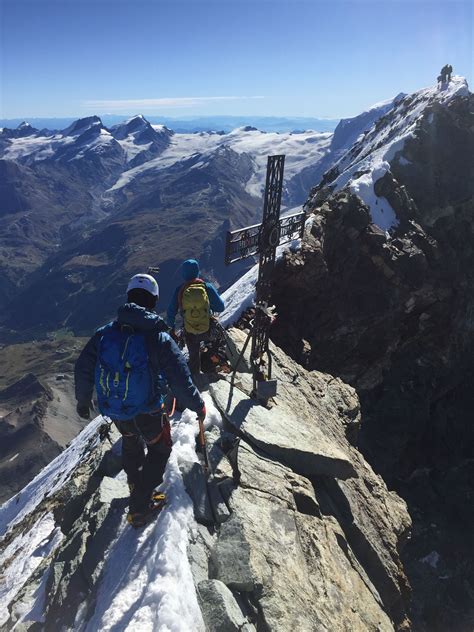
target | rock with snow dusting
[
  {"x": 302, "y": 568},
  {"x": 78, "y": 564},
  {"x": 390, "y": 312},
  {"x": 298, "y": 546},
  {"x": 73, "y": 494},
  {"x": 288, "y": 512}
]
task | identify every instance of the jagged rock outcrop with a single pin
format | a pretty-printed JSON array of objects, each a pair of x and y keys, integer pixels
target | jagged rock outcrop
[
  {"x": 313, "y": 537},
  {"x": 25, "y": 445},
  {"x": 391, "y": 314},
  {"x": 305, "y": 543}
]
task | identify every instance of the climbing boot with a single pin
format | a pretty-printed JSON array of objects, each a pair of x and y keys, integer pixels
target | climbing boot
[{"x": 140, "y": 519}]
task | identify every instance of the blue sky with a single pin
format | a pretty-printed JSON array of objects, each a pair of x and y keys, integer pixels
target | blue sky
[{"x": 247, "y": 57}]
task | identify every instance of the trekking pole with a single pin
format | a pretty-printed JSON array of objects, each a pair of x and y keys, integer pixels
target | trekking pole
[{"x": 202, "y": 442}]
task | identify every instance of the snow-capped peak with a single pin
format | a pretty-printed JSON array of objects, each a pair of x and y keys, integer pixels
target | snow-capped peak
[
  {"x": 388, "y": 103},
  {"x": 133, "y": 125},
  {"x": 302, "y": 150},
  {"x": 82, "y": 125},
  {"x": 369, "y": 158},
  {"x": 136, "y": 116},
  {"x": 138, "y": 138}
]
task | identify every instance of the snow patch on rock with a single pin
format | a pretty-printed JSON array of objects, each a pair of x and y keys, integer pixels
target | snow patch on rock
[
  {"x": 49, "y": 480},
  {"x": 380, "y": 146},
  {"x": 27, "y": 552}
]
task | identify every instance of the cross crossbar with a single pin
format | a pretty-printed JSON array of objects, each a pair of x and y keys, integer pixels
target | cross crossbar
[{"x": 244, "y": 242}]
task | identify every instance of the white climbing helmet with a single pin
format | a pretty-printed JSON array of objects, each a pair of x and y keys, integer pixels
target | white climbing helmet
[{"x": 143, "y": 282}]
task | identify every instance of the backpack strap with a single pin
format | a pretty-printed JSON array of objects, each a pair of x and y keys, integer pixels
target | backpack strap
[
  {"x": 184, "y": 287},
  {"x": 153, "y": 361},
  {"x": 152, "y": 349}
]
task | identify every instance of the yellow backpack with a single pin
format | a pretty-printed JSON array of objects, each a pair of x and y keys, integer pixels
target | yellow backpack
[{"x": 194, "y": 303}]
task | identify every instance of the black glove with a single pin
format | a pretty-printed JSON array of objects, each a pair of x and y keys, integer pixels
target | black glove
[{"x": 84, "y": 410}]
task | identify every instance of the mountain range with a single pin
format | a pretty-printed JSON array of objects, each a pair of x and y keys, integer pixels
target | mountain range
[
  {"x": 373, "y": 344},
  {"x": 82, "y": 210},
  {"x": 75, "y": 204},
  {"x": 197, "y": 123}
]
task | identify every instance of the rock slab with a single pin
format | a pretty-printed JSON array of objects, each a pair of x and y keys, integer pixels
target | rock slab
[{"x": 306, "y": 449}]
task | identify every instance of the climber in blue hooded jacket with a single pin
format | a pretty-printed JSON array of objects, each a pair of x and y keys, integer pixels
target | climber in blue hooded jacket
[
  {"x": 196, "y": 300},
  {"x": 130, "y": 361}
]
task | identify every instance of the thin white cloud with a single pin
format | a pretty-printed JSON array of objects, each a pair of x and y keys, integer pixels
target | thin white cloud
[{"x": 151, "y": 104}]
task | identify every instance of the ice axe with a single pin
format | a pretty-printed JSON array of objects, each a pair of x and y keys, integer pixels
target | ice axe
[
  {"x": 196, "y": 480},
  {"x": 203, "y": 446},
  {"x": 211, "y": 494}
]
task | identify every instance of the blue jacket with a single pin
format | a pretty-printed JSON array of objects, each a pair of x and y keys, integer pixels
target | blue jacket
[
  {"x": 167, "y": 358},
  {"x": 190, "y": 270}
]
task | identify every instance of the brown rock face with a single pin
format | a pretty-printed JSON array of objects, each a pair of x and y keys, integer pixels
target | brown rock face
[
  {"x": 393, "y": 316},
  {"x": 25, "y": 446},
  {"x": 314, "y": 535}
]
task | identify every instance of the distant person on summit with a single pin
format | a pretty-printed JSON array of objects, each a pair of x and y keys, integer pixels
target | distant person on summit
[
  {"x": 195, "y": 299},
  {"x": 445, "y": 74},
  {"x": 130, "y": 361}
]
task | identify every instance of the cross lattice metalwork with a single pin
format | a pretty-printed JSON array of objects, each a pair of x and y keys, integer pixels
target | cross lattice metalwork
[{"x": 263, "y": 239}]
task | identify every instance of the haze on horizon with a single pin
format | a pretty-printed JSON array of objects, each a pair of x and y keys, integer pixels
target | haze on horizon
[{"x": 185, "y": 58}]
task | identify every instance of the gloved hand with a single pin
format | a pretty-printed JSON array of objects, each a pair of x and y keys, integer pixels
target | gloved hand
[
  {"x": 84, "y": 410},
  {"x": 202, "y": 414}
]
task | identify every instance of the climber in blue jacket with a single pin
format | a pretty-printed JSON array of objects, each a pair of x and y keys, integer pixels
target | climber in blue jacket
[{"x": 130, "y": 362}]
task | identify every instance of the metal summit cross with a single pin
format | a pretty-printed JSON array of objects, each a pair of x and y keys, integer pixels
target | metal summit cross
[{"x": 263, "y": 239}]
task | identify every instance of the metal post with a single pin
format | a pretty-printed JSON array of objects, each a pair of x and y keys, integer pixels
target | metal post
[{"x": 263, "y": 239}]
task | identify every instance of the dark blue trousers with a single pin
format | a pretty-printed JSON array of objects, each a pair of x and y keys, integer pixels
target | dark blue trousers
[{"x": 146, "y": 447}]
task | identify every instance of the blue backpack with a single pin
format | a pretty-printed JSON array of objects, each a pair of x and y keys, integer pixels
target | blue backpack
[{"x": 125, "y": 379}]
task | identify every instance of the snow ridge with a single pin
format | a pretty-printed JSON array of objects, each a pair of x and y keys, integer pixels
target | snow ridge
[
  {"x": 146, "y": 581},
  {"x": 359, "y": 170}
]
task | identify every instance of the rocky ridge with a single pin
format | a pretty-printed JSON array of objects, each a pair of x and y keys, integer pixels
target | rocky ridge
[
  {"x": 389, "y": 311},
  {"x": 314, "y": 546}
]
